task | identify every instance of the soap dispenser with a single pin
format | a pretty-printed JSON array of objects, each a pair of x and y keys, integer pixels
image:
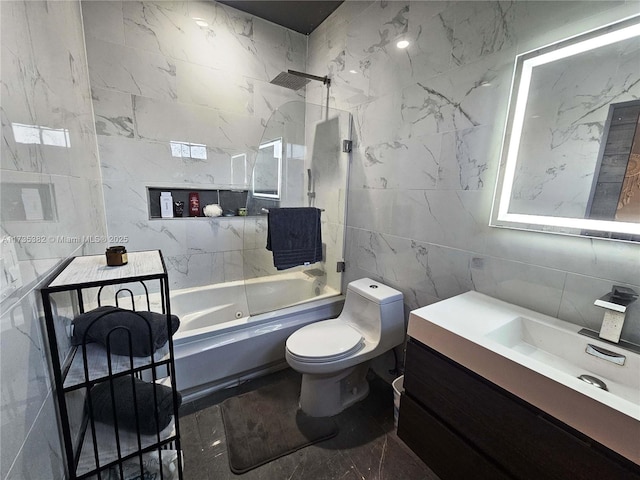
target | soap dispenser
[{"x": 166, "y": 205}]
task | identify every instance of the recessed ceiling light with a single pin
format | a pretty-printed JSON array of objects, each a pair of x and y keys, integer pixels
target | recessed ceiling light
[
  {"x": 352, "y": 71},
  {"x": 402, "y": 44}
]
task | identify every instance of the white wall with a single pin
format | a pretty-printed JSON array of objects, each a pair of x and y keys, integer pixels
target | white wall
[
  {"x": 45, "y": 87},
  {"x": 428, "y": 129},
  {"x": 158, "y": 77}
]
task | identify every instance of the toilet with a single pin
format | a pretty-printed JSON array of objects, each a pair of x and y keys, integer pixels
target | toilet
[{"x": 333, "y": 355}]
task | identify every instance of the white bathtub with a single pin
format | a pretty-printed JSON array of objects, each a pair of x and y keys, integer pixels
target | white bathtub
[{"x": 219, "y": 345}]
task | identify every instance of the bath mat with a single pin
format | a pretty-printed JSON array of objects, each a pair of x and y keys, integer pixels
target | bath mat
[{"x": 266, "y": 424}]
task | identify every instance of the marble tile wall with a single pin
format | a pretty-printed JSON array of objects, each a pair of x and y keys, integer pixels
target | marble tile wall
[
  {"x": 48, "y": 148},
  {"x": 156, "y": 77},
  {"x": 428, "y": 124}
]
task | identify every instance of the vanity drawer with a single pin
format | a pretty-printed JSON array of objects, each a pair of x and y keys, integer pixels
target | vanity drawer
[
  {"x": 527, "y": 442},
  {"x": 442, "y": 450}
]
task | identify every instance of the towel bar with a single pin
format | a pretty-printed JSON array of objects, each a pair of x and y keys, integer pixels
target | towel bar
[{"x": 266, "y": 210}]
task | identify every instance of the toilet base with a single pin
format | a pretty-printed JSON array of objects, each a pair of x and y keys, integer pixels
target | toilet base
[{"x": 329, "y": 394}]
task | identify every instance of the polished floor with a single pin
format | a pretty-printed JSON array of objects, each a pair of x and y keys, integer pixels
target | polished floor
[{"x": 366, "y": 448}]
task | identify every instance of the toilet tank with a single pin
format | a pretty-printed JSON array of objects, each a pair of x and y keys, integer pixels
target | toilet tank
[{"x": 376, "y": 310}]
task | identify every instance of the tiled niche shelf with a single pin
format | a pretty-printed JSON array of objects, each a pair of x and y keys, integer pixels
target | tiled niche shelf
[{"x": 229, "y": 200}]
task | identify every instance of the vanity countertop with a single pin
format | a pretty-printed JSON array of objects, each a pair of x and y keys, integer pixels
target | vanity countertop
[{"x": 538, "y": 358}]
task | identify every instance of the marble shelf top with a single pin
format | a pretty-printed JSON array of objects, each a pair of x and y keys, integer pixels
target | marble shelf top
[{"x": 93, "y": 268}]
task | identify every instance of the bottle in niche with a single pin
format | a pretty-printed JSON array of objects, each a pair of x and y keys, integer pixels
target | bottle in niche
[
  {"x": 166, "y": 205},
  {"x": 194, "y": 204},
  {"x": 178, "y": 208}
]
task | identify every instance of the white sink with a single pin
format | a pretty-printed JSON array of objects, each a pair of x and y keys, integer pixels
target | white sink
[
  {"x": 557, "y": 346},
  {"x": 539, "y": 359}
]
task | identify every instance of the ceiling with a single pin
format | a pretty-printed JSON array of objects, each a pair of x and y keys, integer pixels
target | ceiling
[{"x": 301, "y": 16}]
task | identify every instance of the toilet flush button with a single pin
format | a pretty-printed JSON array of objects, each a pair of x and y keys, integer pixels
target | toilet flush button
[{"x": 373, "y": 286}]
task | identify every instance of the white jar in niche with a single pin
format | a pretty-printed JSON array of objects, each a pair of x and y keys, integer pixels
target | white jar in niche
[{"x": 166, "y": 205}]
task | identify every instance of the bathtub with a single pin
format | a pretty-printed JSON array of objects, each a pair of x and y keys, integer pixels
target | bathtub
[{"x": 219, "y": 344}]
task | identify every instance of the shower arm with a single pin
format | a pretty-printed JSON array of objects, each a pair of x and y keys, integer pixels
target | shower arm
[{"x": 325, "y": 80}]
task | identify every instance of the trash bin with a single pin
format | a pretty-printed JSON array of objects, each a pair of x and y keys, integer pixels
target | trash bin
[{"x": 398, "y": 388}]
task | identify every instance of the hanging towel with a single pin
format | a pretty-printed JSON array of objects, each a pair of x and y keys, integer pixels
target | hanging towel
[{"x": 294, "y": 236}]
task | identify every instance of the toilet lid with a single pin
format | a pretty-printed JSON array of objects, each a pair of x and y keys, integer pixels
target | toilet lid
[{"x": 324, "y": 341}]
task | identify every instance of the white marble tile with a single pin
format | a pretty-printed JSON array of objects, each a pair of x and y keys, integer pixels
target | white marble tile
[
  {"x": 328, "y": 40},
  {"x": 104, "y": 20},
  {"x": 152, "y": 162},
  {"x": 377, "y": 27},
  {"x": 333, "y": 236},
  {"x": 194, "y": 270},
  {"x": 233, "y": 266},
  {"x": 535, "y": 25},
  {"x": 428, "y": 53},
  {"x": 47, "y": 124},
  {"x": 128, "y": 216},
  {"x": 529, "y": 286},
  {"x": 286, "y": 43},
  {"x": 474, "y": 95},
  {"x": 268, "y": 98},
  {"x": 255, "y": 232},
  {"x": 65, "y": 231},
  {"x": 467, "y": 162},
  {"x": 614, "y": 261},
  {"x": 482, "y": 28},
  {"x": 227, "y": 42},
  {"x": 381, "y": 120},
  {"x": 200, "y": 85},
  {"x": 129, "y": 70},
  {"x": 453, "y": 218},
  {"x": 215, "y": 235},
  {"x": 41, "y": 455},
  {"x": 167, "y": 121},
  {"x": 402, "y": 164},
  {"x": 162, "y": 28},
  {"x": 113, "y": 112},
  {"x": 25, "y": 376},
  {"x": 258, "y": 262}
]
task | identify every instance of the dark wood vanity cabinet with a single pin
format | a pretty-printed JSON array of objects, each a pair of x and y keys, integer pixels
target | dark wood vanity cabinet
[{"x": 464, "y": 426}]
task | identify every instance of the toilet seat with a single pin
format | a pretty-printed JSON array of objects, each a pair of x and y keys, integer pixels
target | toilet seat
[{"x": 324, "y": 341}]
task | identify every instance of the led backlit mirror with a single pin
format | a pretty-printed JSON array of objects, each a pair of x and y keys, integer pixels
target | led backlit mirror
[
  {"x": 571, "y": 152},
  {"x": 267, "y": 173}
]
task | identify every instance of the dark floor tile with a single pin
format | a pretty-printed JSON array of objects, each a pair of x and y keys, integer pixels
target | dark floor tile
[
  {"x": 366, "y": 446},
  {"x": 192, "y": 452}
]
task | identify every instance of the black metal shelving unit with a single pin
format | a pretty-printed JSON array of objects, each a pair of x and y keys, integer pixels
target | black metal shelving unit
[{"x": 93, "y": 449}]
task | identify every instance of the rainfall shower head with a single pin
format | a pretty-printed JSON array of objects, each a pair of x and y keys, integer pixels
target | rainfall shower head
[{"x": 296, "y": 80}]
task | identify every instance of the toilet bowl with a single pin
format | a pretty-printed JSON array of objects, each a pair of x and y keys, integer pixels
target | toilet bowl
[{"x": 333, "y": 355}]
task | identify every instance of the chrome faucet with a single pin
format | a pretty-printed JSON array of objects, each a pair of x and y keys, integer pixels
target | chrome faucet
[{"x": 615, "y": 304}]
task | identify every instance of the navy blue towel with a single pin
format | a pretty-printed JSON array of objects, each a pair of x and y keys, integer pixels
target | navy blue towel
[{"x": 294, "y": 236}]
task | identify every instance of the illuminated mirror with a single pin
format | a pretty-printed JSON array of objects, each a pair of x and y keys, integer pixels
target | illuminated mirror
[
  {"x": 570, "y": 157},
  {"x": 267, "y": 172}
]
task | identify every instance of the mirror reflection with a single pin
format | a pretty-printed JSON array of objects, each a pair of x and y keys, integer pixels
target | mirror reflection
[
  {"x": 267, "y": 172},
  {"x": 567, "y": 163}
]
